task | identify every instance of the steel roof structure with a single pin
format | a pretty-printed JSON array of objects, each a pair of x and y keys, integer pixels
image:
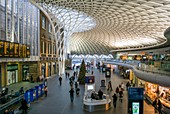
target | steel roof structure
[{"x": 99, "y": 26}]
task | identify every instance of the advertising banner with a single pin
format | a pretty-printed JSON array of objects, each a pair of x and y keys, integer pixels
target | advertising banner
[
  {"x": 89, "y": 79},
  {"x": 135, "y": 108}
]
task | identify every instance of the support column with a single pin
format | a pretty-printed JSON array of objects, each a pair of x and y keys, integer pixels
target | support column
[
  {"x": 18, "y": 32},
  {"x": 12, "y": 22},
  {"x": 60, "y": 67},
  {"x": 6, "y": 20}
]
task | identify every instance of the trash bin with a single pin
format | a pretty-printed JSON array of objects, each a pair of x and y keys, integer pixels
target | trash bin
[{"x": 103, "y": 83}]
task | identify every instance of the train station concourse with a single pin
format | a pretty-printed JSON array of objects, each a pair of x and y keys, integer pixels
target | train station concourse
[{"x": 84, "y": 56}]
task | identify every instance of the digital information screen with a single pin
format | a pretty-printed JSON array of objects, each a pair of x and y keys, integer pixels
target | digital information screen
[
  {"x": 12, "y": 49},
  {"x": 135, "y": 107},
  {"x": 135, "y": 93},
  {"x": 90, "y": 87}
]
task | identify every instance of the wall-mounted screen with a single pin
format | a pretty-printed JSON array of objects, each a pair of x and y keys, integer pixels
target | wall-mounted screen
[{"x": 90, "y": 87}]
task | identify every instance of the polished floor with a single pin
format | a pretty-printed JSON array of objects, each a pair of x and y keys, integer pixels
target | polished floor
[{"x": 58, "y": 99}]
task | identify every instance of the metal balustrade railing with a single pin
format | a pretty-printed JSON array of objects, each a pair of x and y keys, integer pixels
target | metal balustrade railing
[
  {"x": 143, "y": 67},
  {"x": 11, "y": 102}
]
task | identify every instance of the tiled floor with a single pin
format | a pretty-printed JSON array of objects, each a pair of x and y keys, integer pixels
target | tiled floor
[{"x": 58, "y": 99}]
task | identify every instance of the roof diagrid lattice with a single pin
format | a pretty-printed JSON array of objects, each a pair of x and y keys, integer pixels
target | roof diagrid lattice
[{"x": 99, "y": 26}]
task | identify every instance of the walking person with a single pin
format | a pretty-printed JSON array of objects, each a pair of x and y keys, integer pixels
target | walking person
[
  {"x": 60, "y": 80},
  {"x": 92, "y": 72},
  {"x": 24, "y": 106},
  {"x": 117, "y": 90},
  {"x": 109, "y": 86},
  {"x": 45, "y": 91},
  {"x": 114, "y": 100},
  {"x": 127, "y": 85},
  {"x": 71, "y": 82},
  {"x": 66, "y": 74},
  {"x": 159, "y": 107},
  {"x": 71, "y": 94},
  {"x": 154, "y": 104},
  {"x": 76, "y": 85},
  {"x": 121, "y": 96},
  {"x": 45, "y": 82},
  {"x": 122, "y": 86}
]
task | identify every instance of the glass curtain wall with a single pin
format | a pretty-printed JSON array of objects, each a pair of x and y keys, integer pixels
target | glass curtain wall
[{"x": 19, "y": 22}]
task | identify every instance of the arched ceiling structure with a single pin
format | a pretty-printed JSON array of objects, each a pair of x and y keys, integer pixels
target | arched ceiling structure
[{"x": 114, "y": 24}]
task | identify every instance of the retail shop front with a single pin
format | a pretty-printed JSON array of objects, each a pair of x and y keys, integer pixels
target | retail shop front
[
  {"x": 49, "y": 69},
  {"x": 164, "y": 94},
  {"x": 25, "y": 72},
  {"x": 54, "y": 68},
  {"x": 43, "y": 69},
  {"x": 151, "y": 91},
  {"x": 154, "y": 91},
  {"x": 12, "y": 74}
]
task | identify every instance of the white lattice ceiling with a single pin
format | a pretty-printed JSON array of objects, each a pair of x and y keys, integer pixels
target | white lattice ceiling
[{"x": 119, "y": 24}]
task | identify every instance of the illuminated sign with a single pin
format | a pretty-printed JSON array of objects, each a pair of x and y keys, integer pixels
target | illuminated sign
[
  {"x": 135, "y": 93},
  {"x": 89, "y": 79},
  {"x": 6, "y": 49},
  {"x": 1, "y": 48},
  {"x": 28, "y": 51},
  {"x": 11, "y": 49},
  {"x": 135, "y": 108},
  {"x": 16, "y": 50}
]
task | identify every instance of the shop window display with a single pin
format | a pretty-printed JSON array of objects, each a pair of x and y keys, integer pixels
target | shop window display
[
  {"x": 25, "y": 73},
  {"x": 12, "y": 77},
  {"x": 164, "y": 95},
  {"x": 151, "y": 90},
  {"x": 12, "y": 74}
]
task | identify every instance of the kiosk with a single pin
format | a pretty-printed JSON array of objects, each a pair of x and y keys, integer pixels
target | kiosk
[{"x": 96, "y": 104}]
